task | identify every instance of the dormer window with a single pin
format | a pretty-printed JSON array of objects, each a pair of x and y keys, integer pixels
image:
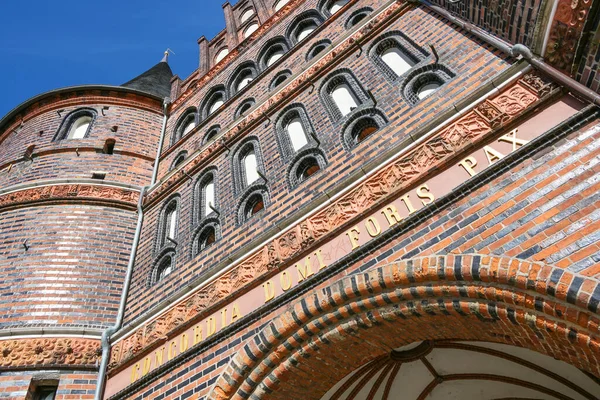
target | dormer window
[{"x": 250, "y": 30}]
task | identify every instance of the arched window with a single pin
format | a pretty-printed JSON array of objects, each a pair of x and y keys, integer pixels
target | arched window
[
  {"x": 358, "y": 16},
  {"x": 186, "y": 123},
  {"x": 246, "y": 15},
  {"x": 250, "y": 30},
  {"x": 279, "y": 4},
  {"x": 396, "y": 54},
  {"x": 242, "y": 76},
  {"x": 164, "y": 268},
  {"x": 244, "y": 108},
  {"x": 424, "y": 81},
  {"x": 205, "y": 238},
  {"x": 304, "y": 25},
  {"x": 211, "y": 134},
  {"x": 361, "y": 126},
  {"x": 213, "y": 101},
  {"x": 206, "y": 195},
  {"x": 342, "y": 94},
  {"x": 280, "y": 78},
  {"x": 272, "y": 51},
  {"x": 76, "y": 125},
  {"x": 246, "y": 164},
  {"x": 318, "y": 48},
  {"x": 306, "y": 164},
  {"x": 178, "y": 160},
  {"x": 167, "y": 229},
  {"x": 336, "y": 5},
  {"x": 209, "y": 197},
  {"x": 80, "y": 127},
  {"x": 221, "y": 54},
  {"x": 253, "y": 202},
  {"x": 344, "y": 99},
  {"x": 296, "y": 132},
  {"x": 250, "y": 167}
]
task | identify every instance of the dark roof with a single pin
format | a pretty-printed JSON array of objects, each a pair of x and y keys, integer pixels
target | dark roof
[{"x": 156, "y": 81}]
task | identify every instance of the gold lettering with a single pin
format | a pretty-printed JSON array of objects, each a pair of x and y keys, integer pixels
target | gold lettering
[
  {"x": 469, "y": 164},
  {"x": 511, "y": 137},
  {"x": 134, "y": 372},
  {"x": 425, "y": 195},
  {"x": 306, "y": 271},
  {"x": 172, "y": 349},
  {"x": 320, "y": 259},
  {"x": 353, "y": 236},
  {"x": 391, "y": 215},
  {"x": 224, "y": 318},
  {"x": 373, "y": 229},
  {"x": 183, "y": 346},
  {"x": 235, "y": 313},
  {"x": 492, "y": 155},
  {"x": 198, "y": 334},
  {"x": 269, "y": 290},
  {"x": 211, "y": 326},
  {"x": 146, "y": 368},
  {"x": 285, "y": 280},
  {"x": 158, "y": 357},
  {"x": 408, "y": 203}
]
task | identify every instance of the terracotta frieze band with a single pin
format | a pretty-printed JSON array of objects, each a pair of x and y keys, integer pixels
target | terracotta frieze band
[
  {"x": 474, "y": 127},
  {"x": 49, "y": 353},
  {"x": 105, "y": 195},
  {"x": 256, "y": 117}
]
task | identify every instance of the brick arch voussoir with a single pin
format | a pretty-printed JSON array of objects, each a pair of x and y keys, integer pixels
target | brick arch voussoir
[{"x": 539, "y": 306}]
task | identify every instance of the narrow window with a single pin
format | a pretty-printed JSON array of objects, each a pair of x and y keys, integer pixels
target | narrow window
[
  {"x": 207, "y": 238},
  {"x": 188, "y": 127},
  {"x": 344, "y": 98},
  {"x": 245, "y": 79},
  {"x": 246, "y": 15},
  {"x": 255, "y": 205},
  {"x": 45, "y": 393},
  {"x": 279, "y": 79},
  {"x": 279, "y": 5},
  {"x": 307, "y": 168},
  {"x": 164, "y": 268},
  {"x": 171, "y": 220},
  {"x": 209, "y": 197},
  {"x": 397, "y": 60},
  {"x": 337, "y": 5},
  {"x": 211, "y": 134},
  {"x": 250, "y": 30},
  {"x": 79, "y": 128},
  {"x": 275, "y": 55},
  {"x": 295, "y": 130},
  {"x": 250, "y": 167},
  {"x": 221, "y": 54}
]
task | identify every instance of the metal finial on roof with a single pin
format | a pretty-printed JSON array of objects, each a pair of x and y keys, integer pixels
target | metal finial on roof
[{"x": 166, "y": 56}]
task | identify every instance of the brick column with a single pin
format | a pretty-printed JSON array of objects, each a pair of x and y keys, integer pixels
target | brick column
[
  {"x": 231, "y": 24},
  {"x": 262, "y": 9},
  {"x": 175, "y": 87},
  {"x": 204, "y": 59}
]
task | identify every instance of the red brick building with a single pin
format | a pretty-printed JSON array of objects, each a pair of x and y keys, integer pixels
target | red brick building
[{"x": 348, "y": 199}]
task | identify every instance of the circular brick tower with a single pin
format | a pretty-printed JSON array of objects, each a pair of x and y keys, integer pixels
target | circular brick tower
[{"x": 72, "y": 164}]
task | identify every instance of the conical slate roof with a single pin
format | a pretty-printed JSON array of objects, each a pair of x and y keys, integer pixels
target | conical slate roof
[{"x": 156, "y": 81}]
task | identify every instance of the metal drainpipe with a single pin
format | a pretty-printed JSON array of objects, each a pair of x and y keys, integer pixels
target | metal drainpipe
[
  {"x": 119, "y": 321},
  {"x": 166, "y": 103},
  {"x": 518, "y": 50},
  {"x": 136, "y": 239}
]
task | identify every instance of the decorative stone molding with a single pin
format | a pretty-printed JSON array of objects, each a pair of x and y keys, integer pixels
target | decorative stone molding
[
  {"x": 567, "y": 29},
  {"x": 70, "y": 192},
  {"x": 49, "y": 352},
  {"x": 472, "y": 128}
]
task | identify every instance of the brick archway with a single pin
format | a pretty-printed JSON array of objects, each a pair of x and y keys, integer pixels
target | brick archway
[{"x": 330, "y": 331}]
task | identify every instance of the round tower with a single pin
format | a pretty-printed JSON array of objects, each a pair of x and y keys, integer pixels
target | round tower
[{"x": 73, "y": 162}]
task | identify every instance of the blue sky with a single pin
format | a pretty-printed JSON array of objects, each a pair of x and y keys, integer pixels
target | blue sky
[{"x": 46, "y": 45}]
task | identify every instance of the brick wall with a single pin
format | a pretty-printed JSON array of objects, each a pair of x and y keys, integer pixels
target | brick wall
[
  {"x": 72, "y": 385},
  {"x": 468, "y": 59}
]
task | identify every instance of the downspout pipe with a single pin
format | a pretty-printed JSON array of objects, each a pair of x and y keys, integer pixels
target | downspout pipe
[
  {"x": 518, "y": 50},
  {"x": 166, "y": 103},
  {"x": 119, "y": 321}
]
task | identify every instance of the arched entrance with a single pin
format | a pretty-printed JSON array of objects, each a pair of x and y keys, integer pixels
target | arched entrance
[{"x": 332, "y": 332}]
